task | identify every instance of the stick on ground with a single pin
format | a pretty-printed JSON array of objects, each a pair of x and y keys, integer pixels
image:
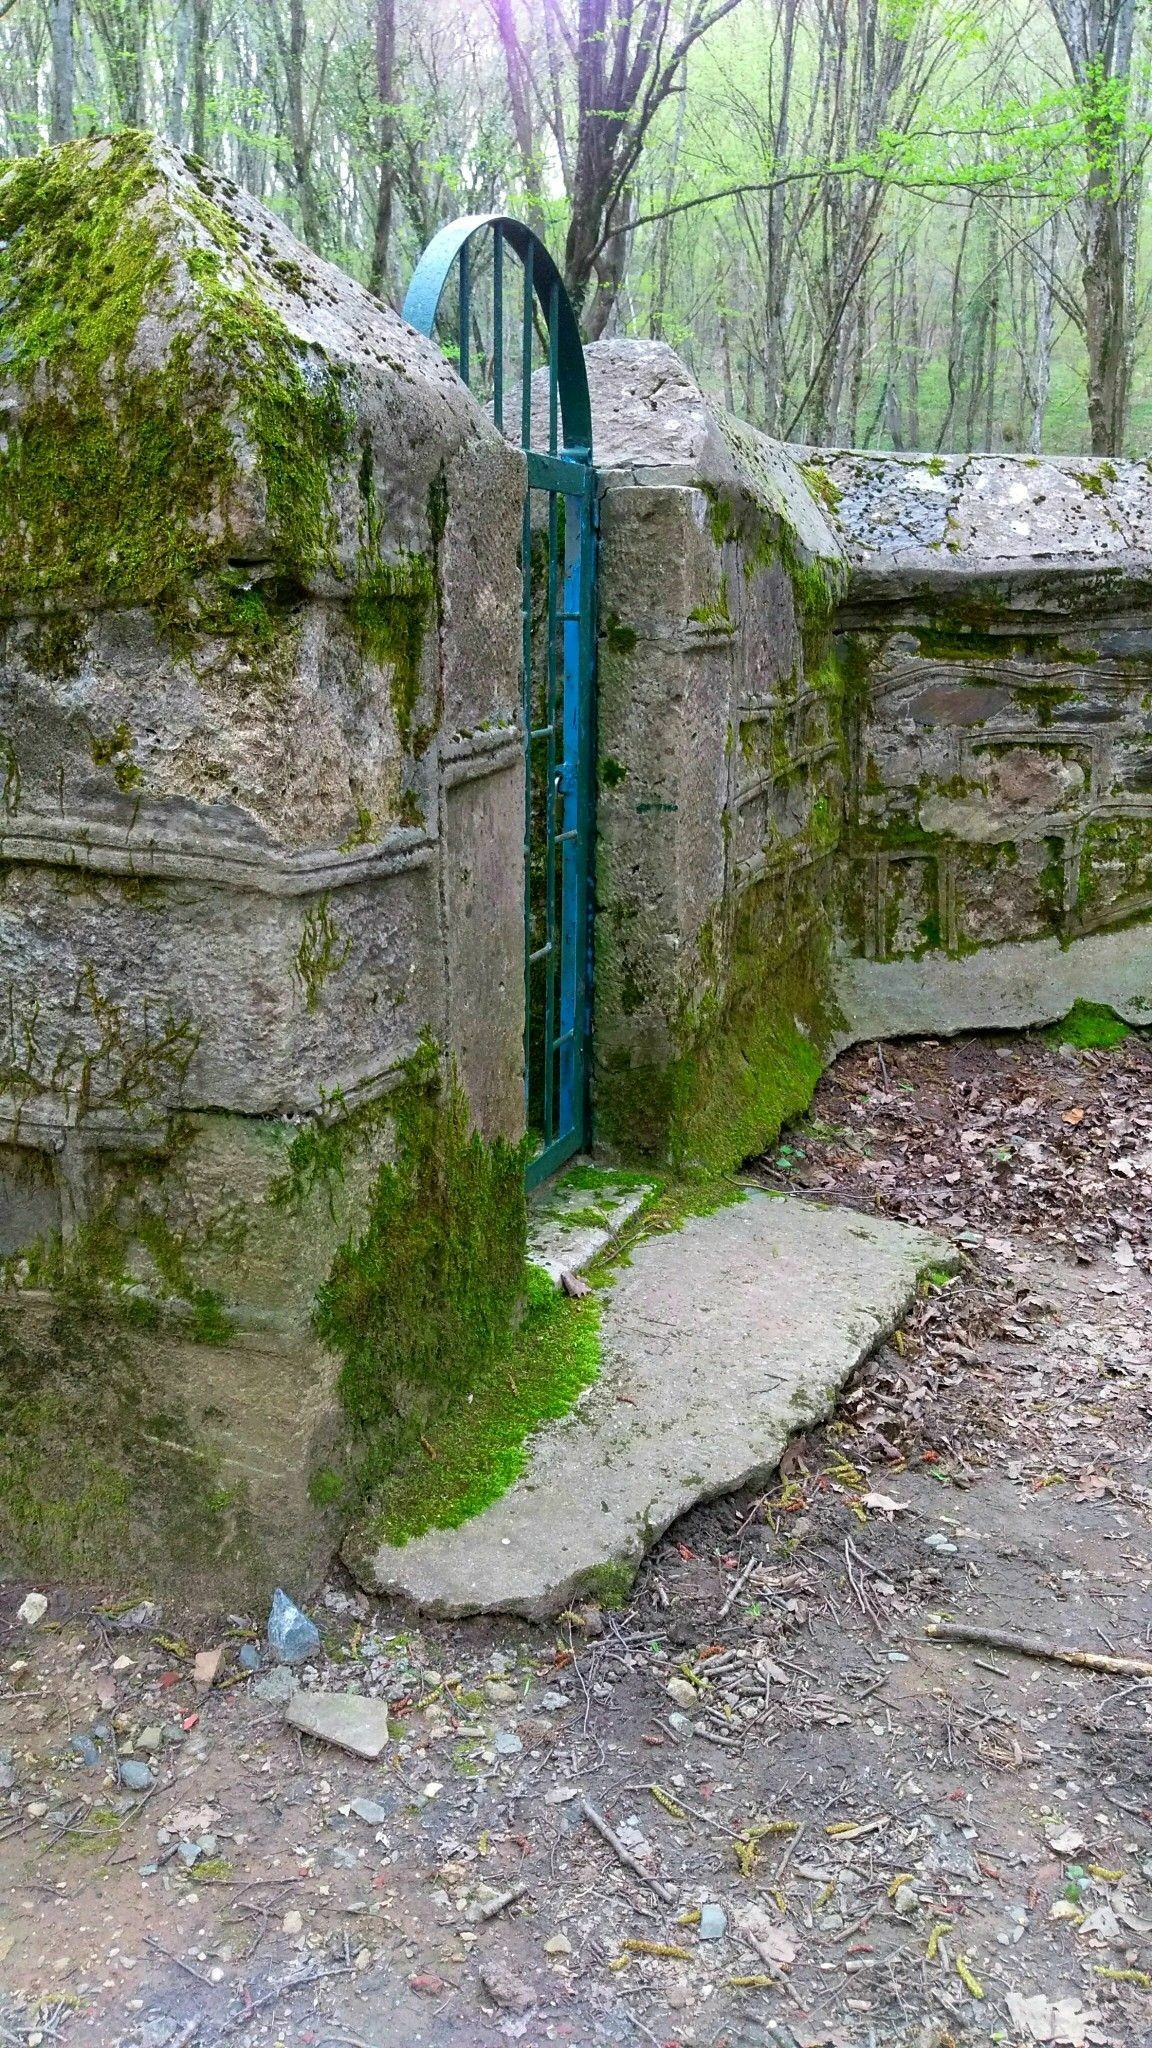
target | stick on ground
[
  {"x": 1028, "y": 1646},
  {"x": 667, "y": 1892}
]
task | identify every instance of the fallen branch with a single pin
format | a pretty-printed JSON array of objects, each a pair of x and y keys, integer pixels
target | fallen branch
[
  {"x": 667, "y": 1892},
  {"x": 1027, "y": 1646},
  {"x": 499, "y": 1905},
  {"x": 738, "y": 1585}
]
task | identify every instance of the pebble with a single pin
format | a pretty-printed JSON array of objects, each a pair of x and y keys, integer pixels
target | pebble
[
  {"x": 248, "y": 1657},
  {"x": 291, "y": 1636},
  {"x": 500, "y": 1692},
  {"x": 938, "y": 1542},
  {"x": 681, "y": 1726},
  {"x": 713, "y": 1923},
  {"x": 136, "y": 1776},
  {"x": 904, "y": 1900},
  {"x": 369, "y": 1810},
  {"x": 558, "y": 1945},
  {"x": 685, "y": 1695},
  {"x": 505, "y": 1743},
  {"x": 293, "y": 1922},
  {"x": 553, "y": 1700},
  {"x": 189, "y": 1853},
  {"x": 205, "y": 1666},
  {"x": 150, "y": 1739},
  {"x": 277, "y": 1686},
  {"x": 121, "y": 1666},
  {"x": 504, "y": 1989},
  {"x": 32, "y": 1609},
  {"x": 86, "y": 1750}
]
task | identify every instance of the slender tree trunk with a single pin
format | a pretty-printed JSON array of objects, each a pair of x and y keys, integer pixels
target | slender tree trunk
[
  {"x": 1105, "y": 305},
  {"x": 63, "y": 71},
  {"x": 201, "y": 38},
  {"x": 385, "y": 93},
  {"x": 298, "y": 137}
]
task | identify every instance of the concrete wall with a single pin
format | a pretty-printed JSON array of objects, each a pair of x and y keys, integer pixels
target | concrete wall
[
  {"x": 875, "y": 754},
  {"x": 260, "y": 833}
]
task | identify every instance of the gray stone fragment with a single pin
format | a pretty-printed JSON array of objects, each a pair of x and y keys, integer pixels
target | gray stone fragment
[
  {"x": 86, "y": 1750},
  {"x": 150, "y": 1739},
  {"x": 292, "y": 1638},
  {"x": 369, "y": 1810},
  {"x": 276, "y": 1686},
  {"x": 189, "y": 1853},
  {"x": 248, "y": 1657},
  {"x": 135, "y": 1776},
  {"x": 727, "y": 1337},
  {"x": 346, "y": 1718},
  {"x": 713, "y": 1923}
]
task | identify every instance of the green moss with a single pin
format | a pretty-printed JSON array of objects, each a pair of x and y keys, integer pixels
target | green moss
[
  {"x": 475, "y": 1450},
  {"x": 620, "y": 639},
  {"x": 321, "y": 951},
  {"x": 389, "y": 614},
  {"x": 821, "y": 485},
  {"x": 128, "y": 498},
  {"x": 114, "y": 751},
  {"x": 612, "y": 772},
  {"x": 1088, "y": 1025},
  {"x": 325, "y": 1487},
  {"x": 607, "y": 1585}
]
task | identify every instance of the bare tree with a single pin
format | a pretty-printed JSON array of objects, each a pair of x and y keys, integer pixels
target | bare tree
[
  {"x": 63, "y": 71},
  {"x": 122, "y": 27},
  {"x": 1098, "y": 37}
]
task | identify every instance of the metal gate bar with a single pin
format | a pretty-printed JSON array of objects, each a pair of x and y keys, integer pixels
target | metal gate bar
[{"x": 557, "y": 656}]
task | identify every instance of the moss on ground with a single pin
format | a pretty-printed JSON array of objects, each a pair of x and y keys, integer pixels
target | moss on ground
[
  {"x": 474, "y": 1451},
  {"x": 1088, "y": 1025}
]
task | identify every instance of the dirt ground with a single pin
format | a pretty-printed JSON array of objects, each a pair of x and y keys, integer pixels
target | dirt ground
[{"x": 908, "y": 1842}]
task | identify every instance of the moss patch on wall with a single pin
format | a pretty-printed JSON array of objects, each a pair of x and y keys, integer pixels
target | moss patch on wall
[{"x": 121, "y": 470}]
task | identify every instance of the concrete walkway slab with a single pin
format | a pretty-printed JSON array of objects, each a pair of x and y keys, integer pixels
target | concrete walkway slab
[
  {"x": 568, "y": 1225},
  {"x": 721, "y": 1341}
]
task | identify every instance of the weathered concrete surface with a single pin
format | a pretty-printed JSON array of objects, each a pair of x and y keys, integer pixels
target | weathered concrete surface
[
  {"x": 1007, "y": 987},
  {"x": 261, "y": 829},
  {"x": 727, "y": 1337},
  {"x": 568, "y": 1226}
]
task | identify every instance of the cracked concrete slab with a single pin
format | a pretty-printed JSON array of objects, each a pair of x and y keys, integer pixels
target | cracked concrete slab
[{"x": 720, "y": 1340}]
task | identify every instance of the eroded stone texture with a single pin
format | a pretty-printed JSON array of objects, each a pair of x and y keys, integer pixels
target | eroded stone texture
[
  {"x": 261, "y": 783},
  {"x": 998, "y": 857},
  {"x": 720, "y": 776}
]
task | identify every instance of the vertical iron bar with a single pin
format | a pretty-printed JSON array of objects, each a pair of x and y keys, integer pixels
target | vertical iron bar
[
  {"x": 526, "y": 659},
  {"x": 552, "y": 964},
  {"x": 465, "y": 311},
  {"x": 553, "y": 330},
  {"x": 498, "y": 327}
]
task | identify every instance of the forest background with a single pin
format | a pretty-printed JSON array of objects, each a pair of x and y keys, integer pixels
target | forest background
[{"x": 898, "y": 223}]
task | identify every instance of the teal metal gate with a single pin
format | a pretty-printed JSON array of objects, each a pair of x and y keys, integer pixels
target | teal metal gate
[{"x": 458, "y": 291}]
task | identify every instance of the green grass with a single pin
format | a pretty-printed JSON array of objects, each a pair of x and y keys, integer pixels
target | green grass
[
  {"x": 471, "y": 1455},
  {"x": 1088, "y": 1025}
]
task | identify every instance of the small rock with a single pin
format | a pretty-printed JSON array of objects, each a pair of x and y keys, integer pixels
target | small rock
[
  {"x": 291, "y": 1636},
  {"x": 504, "y": 1989},
  {"x": 293, "y": 1922},
  {"x": 36, "y": 1809},
  {"x": 505, "y": 1743},
  {"x": 685, "y": 1695},
  {"x": 7, "y": 1777},
  {"x": 558, "y": 1945},
  {"x": 348, "y": 1719},
  {"x": 939, "y": 1542},
  {"x": 86, "y": 1750},
  {"x": 681, "y": 1726},
  {"x": 146, "y": 1614},
  {"x": 500, "y": 1692},
  {"x": 135, "y": 1776},
  {"x": 553, "y": 1700},
  {"x": 369, "y": 1810},
  {"x": 32, "y": 1609},
  {"x": 713, "y": 1923},
  {"x": 248, "y": 1657},
  {"x": 122, "y": 1666},
  {"x": 189, "y": 1853},
  {"x": 428, "y": 1982},
  {"x": 150, "y": 1739},
  {"x": 1066, "y": 1841},
  {"x": 277, "y": 1686},
  {"x": 205, "y": 1667},
  {"x": 904, "y": 1900}
]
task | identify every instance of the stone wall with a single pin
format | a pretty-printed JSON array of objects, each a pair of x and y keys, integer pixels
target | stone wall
[
  {"x": 997, "y": 644},
  {"x": 260, "y": 830},
  {"x": 875, "y": 754}
]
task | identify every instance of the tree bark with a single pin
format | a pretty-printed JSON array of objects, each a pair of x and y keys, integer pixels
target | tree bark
[
  {"x": 385, "y": 190},
  {"x": 201, "y": 37},
  {"x": 62, "y": 126}
]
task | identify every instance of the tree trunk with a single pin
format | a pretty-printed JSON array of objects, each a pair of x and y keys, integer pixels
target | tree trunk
[
  {"x": 63, "y": 71},
  {"x": 201, "y": 36},
  {"x": 298, "y": 136},
  {"x": 1106, "y": 328},
  {"x": 385, "y": 90}
]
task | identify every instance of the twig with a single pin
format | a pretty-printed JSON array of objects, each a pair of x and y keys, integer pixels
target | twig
[
  {"x": 188, "y": 2032},
  {"x": 667, "y": 1892},
  {"x": 152, "y": 1942},
  {"x": 278, "y": 1991},
  {"x": 499, "y": 1905},
  {"x": 736, "y": 1585},
  {"x": 773, "y": 1968},
  {"x": 1027, "y": 1646}
]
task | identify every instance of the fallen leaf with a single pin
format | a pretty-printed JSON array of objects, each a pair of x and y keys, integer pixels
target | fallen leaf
[
  {"x": 884, "y": 1504},
  {"x": 1071, "y": 1116}
]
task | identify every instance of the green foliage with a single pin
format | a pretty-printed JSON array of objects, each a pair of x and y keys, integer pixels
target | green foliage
[{"x": 389, "y": 613}]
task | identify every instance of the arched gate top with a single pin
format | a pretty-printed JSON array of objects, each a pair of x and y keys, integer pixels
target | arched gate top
[{"x": 568, "y": 379}]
